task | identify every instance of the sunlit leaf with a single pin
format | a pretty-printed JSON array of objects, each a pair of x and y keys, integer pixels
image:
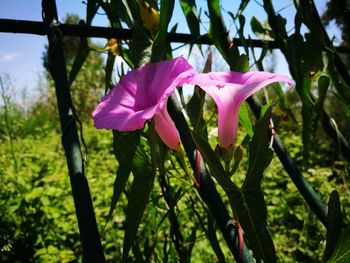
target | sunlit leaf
[
  {"x": 245, "y": 120},
  {"x": 219, "y": 36},
  {"x": 190, "y": 11},
  {"x": 261, "y": 30}
]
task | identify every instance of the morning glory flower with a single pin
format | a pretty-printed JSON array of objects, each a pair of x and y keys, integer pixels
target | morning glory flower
[
  {"x": 141, "y": 95},
  {"x": 229, "y": 90}
]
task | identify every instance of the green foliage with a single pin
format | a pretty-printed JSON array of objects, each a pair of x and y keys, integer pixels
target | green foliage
[
  {"x": 261, "y": 30},
  {"x": 39, "y": 224},
  {"x": 36, "y": 208},
  {"x": 190, "y": 11},
  {"x": 140, "y": 189},
  {"x": 341, "y": 252},
  {"x": 335, "y": 225},
  {"x": 146, "y": 205},
  {"x": 219, "y": 35},
  {"x": 247, "y": 202},
  {"x": 124, "y": 146}
]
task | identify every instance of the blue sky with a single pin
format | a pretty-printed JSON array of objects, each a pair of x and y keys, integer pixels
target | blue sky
[{"x": 20, "y": 54}]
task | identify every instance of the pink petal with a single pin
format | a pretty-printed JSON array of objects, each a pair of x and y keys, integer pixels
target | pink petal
[
  {"x": 166, "y": 129},
  {"x": 229, "y": 90},
  {"x": 141, "y": 94}
]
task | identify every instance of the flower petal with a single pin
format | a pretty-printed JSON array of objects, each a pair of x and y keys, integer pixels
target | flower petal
[
  {"x": 141, "y": 94},
  {"x": 166, "y": 129},
  {"x": 228, "y": 109},
  {"x": 229, "y": 90}
]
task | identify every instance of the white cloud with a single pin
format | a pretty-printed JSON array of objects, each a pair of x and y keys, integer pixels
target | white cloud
[{"x": 8, "y": 57}]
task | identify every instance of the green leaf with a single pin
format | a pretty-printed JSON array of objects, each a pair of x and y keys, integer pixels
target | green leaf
[
  {"x": 83, "y": 52},
  {"x": 109, "y": 9},
  {"x": 323, "y": 84},
  {"x": 213, "y": 162},
  {"x": 312, "y": 54},
  {"x": 251, "y": 207},
  {"x": 262, "y": 30},
  {"x": 343, "y": 94},
  {"x": 342, "y": 250},
  {"x": 141, "y": 44},
  {"x": 119, "y": 10},
  {"x": 305, "y": 56},
  {"x": 244, "y": 41},
  {"x": 122, "y": 177},
  {"x": 311, "y": 21},
  {"x": 237, "y": 157},
  {"x": 160, "y": 46},
  {"x": 196, "y": 103},
  {"x": 322, "y": 87},
  {"x": 242, "y": 6},
  {"x": 208, "y": 228},
  {"x": 280, "y": 26},
  {"x": 334, "y": 225},
  {"x": 124, "y": 147},
  {"x": 131, "y": 8},
  {"x": 141, "y": 188},
  {"x": 174, "y": 28},
  {"x": 218, "y": 33},
  {"x": 283, "y": 101},
  {"x": 219, "y": 36},
  {"x": 108, "y": 71},
  {"x": 190, "y": 11},
  {"x": 213, "y": 240},
  {"x": 309, "y": 116},
  {"x": 244, "y": 119},
  {"x": 195, "y": 112},
  {"x": 294, "y": 43},
  {"x": 166, "y": 12},
  {"x": 91, "y": 9},
  {"x": 247, "y": 203},
  {"x": 140, "y": 47}
]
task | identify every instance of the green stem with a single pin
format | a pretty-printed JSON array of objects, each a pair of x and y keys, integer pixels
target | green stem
[{"x": 207, "y": 190}]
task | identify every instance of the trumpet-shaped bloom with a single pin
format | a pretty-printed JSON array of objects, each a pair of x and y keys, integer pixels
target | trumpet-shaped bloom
[
  {"x": 229, "y": 90},
  {"x": 141, "y": 95}
]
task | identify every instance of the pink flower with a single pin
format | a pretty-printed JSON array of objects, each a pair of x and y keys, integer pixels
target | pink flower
[
  {"x": 229, "y": 90},
  {"x": 141, "y": 95}
]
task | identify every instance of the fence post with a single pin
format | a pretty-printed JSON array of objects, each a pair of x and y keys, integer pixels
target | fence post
[{"x": 91, "y": 243}]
